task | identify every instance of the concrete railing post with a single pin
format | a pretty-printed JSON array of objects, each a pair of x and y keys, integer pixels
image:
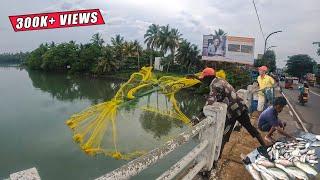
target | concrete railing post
[{"x": 213, "y": 133}]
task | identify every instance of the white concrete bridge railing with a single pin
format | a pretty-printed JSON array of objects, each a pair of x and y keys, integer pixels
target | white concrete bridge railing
[{"x": 210, "y": 132}]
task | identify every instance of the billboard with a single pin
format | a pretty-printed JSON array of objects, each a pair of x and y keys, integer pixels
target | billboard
[
  {"x": 214, "y": 45},
  {"x": 228, "y": 48}
]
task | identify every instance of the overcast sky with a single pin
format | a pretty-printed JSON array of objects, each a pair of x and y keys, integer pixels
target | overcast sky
[{"x": 299, "y": 21}]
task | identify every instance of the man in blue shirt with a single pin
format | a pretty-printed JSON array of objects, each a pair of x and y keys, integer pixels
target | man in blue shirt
[{"x": 269, "y": 122}]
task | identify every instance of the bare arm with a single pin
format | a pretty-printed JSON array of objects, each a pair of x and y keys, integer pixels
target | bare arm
[{"x": 282, "y": 132}]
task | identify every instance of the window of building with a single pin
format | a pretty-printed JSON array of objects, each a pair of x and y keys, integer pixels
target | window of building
[
  {"x": 234, "y": 47},
  {"x": 246, "y": 49}
]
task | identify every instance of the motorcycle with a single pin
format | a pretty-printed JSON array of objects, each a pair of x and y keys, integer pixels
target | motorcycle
[{"x": 303, "y": 98}]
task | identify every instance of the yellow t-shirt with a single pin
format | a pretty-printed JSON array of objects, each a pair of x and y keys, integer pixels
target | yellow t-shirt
[{"x": 265, "y": 82}]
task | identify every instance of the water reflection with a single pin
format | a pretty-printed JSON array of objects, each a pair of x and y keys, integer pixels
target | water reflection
[
  {"x": 39, "y": 138},
  {"x": 68, "y": 88},
  {"x": 157, "y": 127}
]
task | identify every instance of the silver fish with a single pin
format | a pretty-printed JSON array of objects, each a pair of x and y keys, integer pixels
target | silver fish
[
  {"x": 277, "y": 143},
  {"x": 276, "y": 154},
  {"x": 296, "y": 152},
  {"x": 318, "y": 137},
  {"x": 285, "y": 170},
  {"x": 312, "y": 161},
  {"x": 278, "y": 173},
  {"x": 265, "y": 163},
  {"x": 312, "y": 151},
  {"x": 305, "y": 167},
  {"x": 303, "y": 158},
  {"x": 298, "y": 173},
  {"x": 312, "y": 157},
  {"x": 265, "y": 174},
  {"x": 287, "y": 155},
  {"x": 300, "y": 139},
  {"x": 254, "y": 173},
  {"x": 269, "y": 149},
  {"x": 291, "y": 144},
  {"x": 304, "y": 151},
  {"x": 307, "y": 145},
  {"x": 283, "y": 162},
  {"x": 316, "y": 144}
]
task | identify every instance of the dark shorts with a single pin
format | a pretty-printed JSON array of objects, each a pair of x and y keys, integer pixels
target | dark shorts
[
  {"x": 265, "y": 127},
  {"x": 244, "y": 120}
]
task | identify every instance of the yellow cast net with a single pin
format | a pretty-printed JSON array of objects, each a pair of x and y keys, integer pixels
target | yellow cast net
[{"x": 98, "y": 123}]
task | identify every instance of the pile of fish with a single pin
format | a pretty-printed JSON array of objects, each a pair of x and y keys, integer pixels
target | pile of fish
[{"x": 289, "y": 160}]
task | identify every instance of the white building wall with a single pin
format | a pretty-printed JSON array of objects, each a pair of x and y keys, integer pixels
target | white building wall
[{"x": 246, "y": 58}]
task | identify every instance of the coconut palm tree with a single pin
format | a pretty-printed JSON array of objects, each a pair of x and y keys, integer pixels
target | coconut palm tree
[
  {"x": 187, "y": 54},
  {"x": 118, "y": 48},
  {"x": 169, "y": 41},
  {"x": 106, "y": 63},
  {"x": 151, "y": 38},
  {"x": 97, "y": 39},
  {"x": 220, "y": 32},
  {"x": 138, "y": 51}
]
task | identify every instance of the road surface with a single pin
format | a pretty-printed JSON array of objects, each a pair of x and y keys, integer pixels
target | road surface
[{"x": 310, "y": 112}]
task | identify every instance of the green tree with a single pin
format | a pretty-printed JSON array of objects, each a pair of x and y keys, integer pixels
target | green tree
[
  {"x": 220, "y": 32},
  {"x": 35, "y": 59},
  {"x": 187, "y": 54},
  {"x": 88, "y": 57},
  {"x": 97, "y": 39},
  {"x": 106, "y": 63},
  {"x": 268, "y": 59},
  {"x": 138, "y": 50},
  {"x": 118, "y": 49},
  {"x": 13, "y": 58},
  {"x": 60, "y": 56},
  {"x": 299, "y": 65},
  {"x": 151, "y": 38},
  {"x": 169, "y": 41}
]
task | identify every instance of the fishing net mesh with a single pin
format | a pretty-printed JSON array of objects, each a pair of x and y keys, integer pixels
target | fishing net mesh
[{"x": 96, "y": 127}]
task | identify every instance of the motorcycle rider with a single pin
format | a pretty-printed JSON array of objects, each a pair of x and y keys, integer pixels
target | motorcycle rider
[{"x": 304, "y": 91}]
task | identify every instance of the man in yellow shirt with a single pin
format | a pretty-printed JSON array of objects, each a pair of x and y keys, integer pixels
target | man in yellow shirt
[{"x": 266, "y": 83}]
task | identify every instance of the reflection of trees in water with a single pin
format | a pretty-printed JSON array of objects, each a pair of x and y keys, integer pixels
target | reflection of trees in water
[
  {"x": 155, "y": 123},
  {"x": 190, "y": 103},
  {"x": 160, "y": 125},
  {"x": 64, "y": 87}
]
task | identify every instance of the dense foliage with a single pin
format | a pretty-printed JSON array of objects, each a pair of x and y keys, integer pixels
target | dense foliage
[
  {"x": 299, "y": 65},
  {"x": 119, "y": 55},
  {"x": 12, "y": 58},
  {"x": 96, "y": 57},
  {"x": 268, "y": 59}
]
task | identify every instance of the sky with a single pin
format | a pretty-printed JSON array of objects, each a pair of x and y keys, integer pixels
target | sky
[{"x": 299, "y": 21}]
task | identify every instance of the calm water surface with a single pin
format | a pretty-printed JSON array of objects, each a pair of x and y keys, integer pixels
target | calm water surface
[{"x": 33, "y": 109}]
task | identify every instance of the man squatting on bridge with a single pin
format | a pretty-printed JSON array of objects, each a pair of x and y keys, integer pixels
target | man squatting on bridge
[
  {"x": 222, "y": 91},
  {"x": 269, "y": 122}
]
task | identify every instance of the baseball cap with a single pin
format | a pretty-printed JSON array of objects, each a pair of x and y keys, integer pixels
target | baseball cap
[{"x": 207, "y": 72}]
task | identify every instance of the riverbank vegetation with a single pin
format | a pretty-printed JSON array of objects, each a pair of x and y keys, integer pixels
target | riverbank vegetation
[
  {"x": 121, "y": 57},
  {"x": 98, "y": 57},
  {"x": 13, "y": 58}
]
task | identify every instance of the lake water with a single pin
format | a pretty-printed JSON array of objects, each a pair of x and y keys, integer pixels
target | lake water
[{"x": 35, "y": 105}]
